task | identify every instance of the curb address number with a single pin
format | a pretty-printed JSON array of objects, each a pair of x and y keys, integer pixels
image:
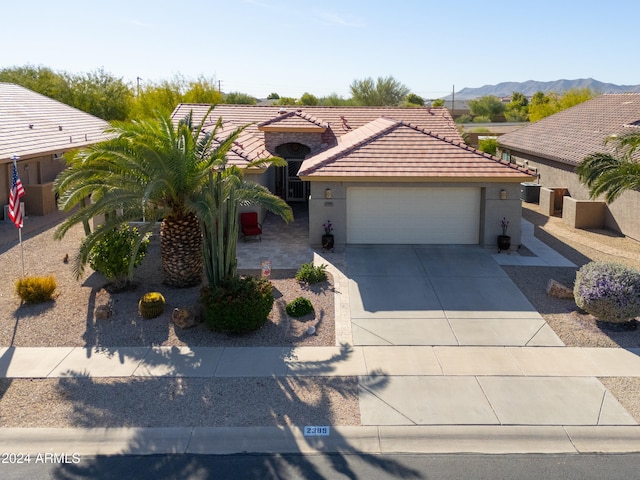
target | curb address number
[{"x": 316, "y": 431}]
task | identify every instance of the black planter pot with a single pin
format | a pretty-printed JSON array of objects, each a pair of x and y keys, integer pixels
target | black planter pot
[
  {"x": 504, "y": 242},
  {"x": 327, "y": 242}
]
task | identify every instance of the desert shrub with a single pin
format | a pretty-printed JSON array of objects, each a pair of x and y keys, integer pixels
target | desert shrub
[
  {"x": 299, "y": 307},
  {"x": 111, "y": 255},
  {"x": 608, "y": 291},
  {"x": 238, "y": 305},
  {"x": 309, "y": 273},
  {"x": 36, "y": 289},
  {"x": 151, "y": 305}
]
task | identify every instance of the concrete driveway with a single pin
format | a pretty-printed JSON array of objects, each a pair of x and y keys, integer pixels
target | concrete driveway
[
  {"x": 457, "y": 327},
  {"x": 438, "y": 295}
]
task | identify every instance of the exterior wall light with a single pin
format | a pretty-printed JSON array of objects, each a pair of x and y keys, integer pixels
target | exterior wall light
[
  {"x": 327, "y": 193},
  {"x": 503, "y": 194}
]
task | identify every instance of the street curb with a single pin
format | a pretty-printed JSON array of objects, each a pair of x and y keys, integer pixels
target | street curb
[{"x": 344, "y": 440}]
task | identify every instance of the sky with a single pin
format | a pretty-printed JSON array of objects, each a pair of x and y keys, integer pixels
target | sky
[{"x": 294, "y": 46}]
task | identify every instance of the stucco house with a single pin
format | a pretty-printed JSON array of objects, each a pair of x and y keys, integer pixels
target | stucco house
[
  {"x": 555, "y": 145},
  {"x": 380, "y": 175},
  {"x": 39, "y": 130}
]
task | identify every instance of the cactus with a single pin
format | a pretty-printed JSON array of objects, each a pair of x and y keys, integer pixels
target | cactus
[{"x": 151, "y": 305}]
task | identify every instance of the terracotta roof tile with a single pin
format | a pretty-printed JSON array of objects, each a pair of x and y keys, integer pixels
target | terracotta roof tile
[
  {"x": 371, "y": 141},
  {"x": 391, "y": 148},
  {"x": 293, "y": 121},
  {"x": 571, "y": 135},
  {"x": 32, "y": 124}
]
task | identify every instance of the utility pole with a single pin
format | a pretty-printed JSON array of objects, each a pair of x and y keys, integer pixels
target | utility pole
[
  {"x": 138, "y": 86},
  {"x": 220, "y": 86},
  {"x": 453, "y": 102}
]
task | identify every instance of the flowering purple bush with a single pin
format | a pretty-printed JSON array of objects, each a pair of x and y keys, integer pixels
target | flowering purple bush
[{"x": 608, "y": 291}]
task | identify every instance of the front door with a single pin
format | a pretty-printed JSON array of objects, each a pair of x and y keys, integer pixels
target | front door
[{"x": 296, "y": 189}]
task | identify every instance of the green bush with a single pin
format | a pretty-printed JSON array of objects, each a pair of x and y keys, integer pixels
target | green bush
[
  {"x": 608, "y": 291},
  {"x": 309, "y": 273},
  {"x": 238, "y": 305},
  {"x": 111, "y": 255},
  {"x": 299, "y": 307},
  {"x": 36, "y": 289}
]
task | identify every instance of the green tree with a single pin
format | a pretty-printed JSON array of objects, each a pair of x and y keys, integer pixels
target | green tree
[
  {"x": 488, "y": 106},
  {"x": 517, "y": 110},
  {"x": 240, "y": 98},
  {"x": 385, "y": 91},
  {"x": 154, "y": 170},
  {"x": 488, "y": 145},
  {"x": 543, "y": 105},
  {"x": 413, "y": 100},
  {"x": 273, "y": 96},
  {"x": 202, "y": 90},
  {"x": 335, "y": 100},
  {"x": 101, "y": 94},
  {"x": 308, "y": 99},
  {"x": 286, "y": 101},
  {"x": 39, "y": 79},
  {"x": 611, "y": 174},
  {"x": 438, "y": 102},
  {"x": 157, "y": 97}
]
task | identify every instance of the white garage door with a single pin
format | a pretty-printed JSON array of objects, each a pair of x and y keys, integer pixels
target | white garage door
[{"x": 428, "y": 215}]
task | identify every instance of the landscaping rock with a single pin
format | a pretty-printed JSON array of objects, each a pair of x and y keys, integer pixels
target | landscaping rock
[
  {"x": 103, "y": 305},
  {"x": 558, "y": 290},
  {"x": 186, "y": 317}
]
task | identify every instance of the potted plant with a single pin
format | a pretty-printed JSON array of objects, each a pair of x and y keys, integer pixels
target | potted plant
[
  {"x": 327, "y": 238},
  {"x": 504, "y": 240}
]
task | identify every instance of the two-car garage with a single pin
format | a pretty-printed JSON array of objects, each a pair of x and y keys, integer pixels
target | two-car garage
[{"x": 413, "y": 215}]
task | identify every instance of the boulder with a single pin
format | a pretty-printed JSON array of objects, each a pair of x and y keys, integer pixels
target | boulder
[
  {"x": 103, "y": 305},
  {"x": 186, "y": 317},
  {"x": 558, "y": 290}
]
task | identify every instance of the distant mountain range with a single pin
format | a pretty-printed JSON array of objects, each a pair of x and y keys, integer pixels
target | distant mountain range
[{"x": 530, "y": 87}]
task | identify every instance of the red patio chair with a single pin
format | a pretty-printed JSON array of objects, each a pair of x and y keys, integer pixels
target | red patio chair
[{"x": 250, "y": 225}]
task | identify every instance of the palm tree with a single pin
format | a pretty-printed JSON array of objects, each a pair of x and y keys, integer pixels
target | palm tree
[
  {"x": 612, "y": 174},
  {"x": 152, "y": 170}
]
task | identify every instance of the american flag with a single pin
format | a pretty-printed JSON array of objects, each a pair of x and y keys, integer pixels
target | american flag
[{"x": 17, "y": 192}]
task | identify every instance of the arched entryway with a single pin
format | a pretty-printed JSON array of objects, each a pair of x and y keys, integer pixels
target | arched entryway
[{"x": 288, "y": 184}]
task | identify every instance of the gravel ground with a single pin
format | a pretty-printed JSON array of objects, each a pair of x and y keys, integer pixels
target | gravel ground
[
  {"x": 574, "y": 327},
  {"x": 69, "y": 320},
  {"x": 84, "y": 402},
  {"x": 173, "y": 402}
]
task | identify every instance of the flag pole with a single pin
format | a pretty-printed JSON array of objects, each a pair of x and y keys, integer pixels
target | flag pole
[
  {"x": 17, "y": 191},
  {"x": 21, "y": 250}
]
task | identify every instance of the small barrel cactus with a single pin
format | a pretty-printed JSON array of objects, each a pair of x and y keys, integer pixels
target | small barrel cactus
[
  {"x": 151, "y": 305},
  {"x": 608, "y": 291}
]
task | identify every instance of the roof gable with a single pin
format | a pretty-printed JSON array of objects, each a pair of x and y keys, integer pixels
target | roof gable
[
  {"x": 572, "y": 134},
  {"x": 32, "y": 125},
  {"x": 294, "y": 122}
]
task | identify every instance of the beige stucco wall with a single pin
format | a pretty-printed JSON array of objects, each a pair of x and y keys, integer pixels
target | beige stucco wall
[
  {"x": 492, "y": 208},
  {"x": 621, "y": 215},
  {"x": 583, "y": 213}
]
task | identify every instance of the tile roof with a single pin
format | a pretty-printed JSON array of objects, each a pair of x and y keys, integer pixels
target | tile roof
[
  {"x": 386, "y": 148},
  {"x": 571, "y": 135},
  {"x": 340, "y": 120},
  {"x": 295, "y": 121},
  {"x": 369, "y": 142},
  {"x": 32, "y": 125}
]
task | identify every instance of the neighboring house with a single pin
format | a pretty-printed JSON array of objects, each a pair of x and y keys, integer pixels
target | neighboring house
[
  {"x": 557, "y": 144},
  {"x": 380, "y": 175},
  {"x": 39, "y": 130}
]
